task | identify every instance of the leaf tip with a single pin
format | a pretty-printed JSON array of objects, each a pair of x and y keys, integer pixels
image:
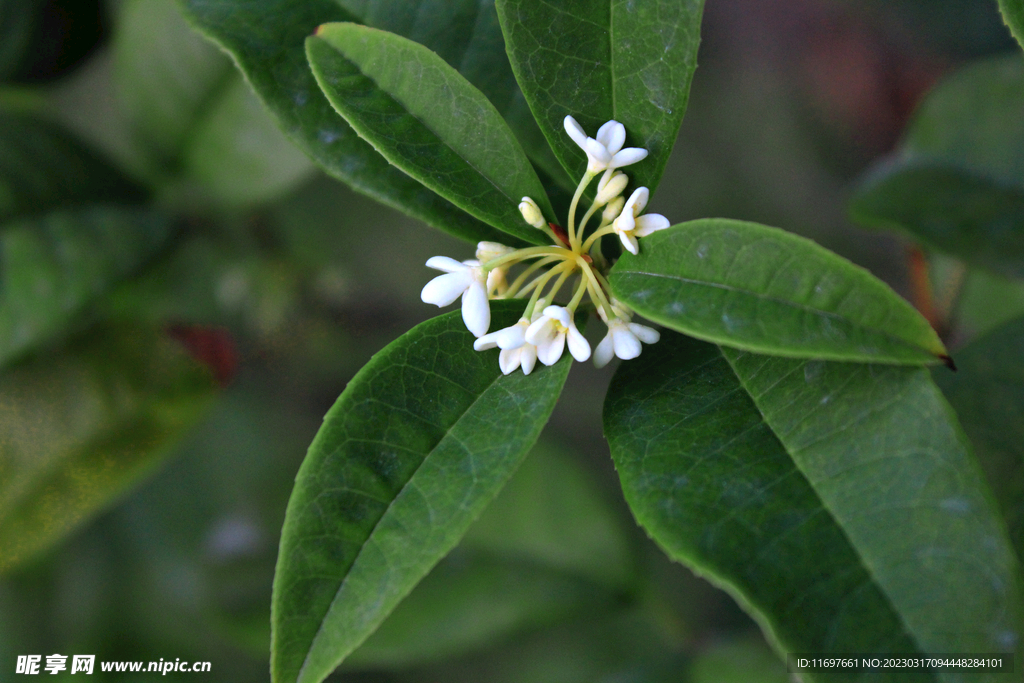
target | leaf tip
[{"x": 948, "y": 362}]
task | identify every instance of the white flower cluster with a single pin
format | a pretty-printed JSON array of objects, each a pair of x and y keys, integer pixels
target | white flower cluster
[{"x": 545, "y": 329}]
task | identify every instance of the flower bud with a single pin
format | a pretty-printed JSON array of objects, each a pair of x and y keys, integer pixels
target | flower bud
[
  {"x": 531, "y": 212},
  {"x": 487, "y": 251},
  {"x": 613, "y": 209},
  {"x": 610, "y": 186}
]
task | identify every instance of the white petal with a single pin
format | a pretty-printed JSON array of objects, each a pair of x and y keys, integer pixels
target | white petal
[
  {"x": 541, "y": 331},
  {"x": 476, "y": 311},
  {"x": 445, "y": 289},
  {"x": 528, "y": 357},
  {"x": 647, "y": 335},
  {"x": 627, "y": 346},
  {"x": 628, "y": 156},
  {"x": 448, "y": 265},
  {"x": 604, "y": 352},
  {"x": 511, "y": 337},
  {"x": 637, "y": 201},
  {"x": 508, "y": 360},
  {"x": 597, "y": 154},
  {"x": 612, "y": 135},
  {"x": 579, "y": 347},
  {"x": 575, "y": 131},
  {"x": 558, "y": 313},
  {"x": 549, "y": 353},
  {"x": 629, "y": 243},
  {"x": 649, "y": 223}
]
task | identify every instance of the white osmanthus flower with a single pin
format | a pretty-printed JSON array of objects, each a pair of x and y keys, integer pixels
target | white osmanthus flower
[
  {"x": 630, "y": 224},
  {"x": 466, "y": 279},
  {"x": 623, "y": 340},
  {"x": 544, "y": 334},
  {"x": 550, "y": 332},
  {"x": 606, "y": 151}
]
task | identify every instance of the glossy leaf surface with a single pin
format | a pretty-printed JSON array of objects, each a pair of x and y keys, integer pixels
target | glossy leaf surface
[
  {"x": 957, "y": 182},
  {"x": 42, "y": 168},
  {"x": 51, "y": 267},
  {"x": 1013, "y": 15},
  {"x": 82, "y": 425},
  {"x": 420, "y": 441},
  {"x": 267, "y": 40},
  {"x": 988, "y": 395},
  {"x": 598, "y": 60},
  {"x": 428, "y": 120},
  {"x": 839, "y": 503},
  {"x": 765, "y": 290}
]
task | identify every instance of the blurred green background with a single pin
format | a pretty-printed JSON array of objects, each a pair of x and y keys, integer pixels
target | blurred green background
[{"x": 283, "y": 283}]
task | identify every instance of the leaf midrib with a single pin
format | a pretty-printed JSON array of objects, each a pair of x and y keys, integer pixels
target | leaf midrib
[
  {"x": 359, "y": 554},
  {"x": 868, "y": 568},
  {"x": 784, "y": 302}
]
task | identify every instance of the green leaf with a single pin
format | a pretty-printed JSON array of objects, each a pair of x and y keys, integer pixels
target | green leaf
[
  {"x": 427, "y": 120},
  {"x": 988, "y": 395},
  {"x": 421, "y": 440},
  {"x": 466, "y": 34},
  {"x": 765, "y": 290},
  {"x": 957, "y": 181},
  {"x": 467, "y": 601},
  {"x": 839, "y": 503},
  {"x": 43, "y": 168},
  {"x": 1013, "y": 15},
  {"x": 81, "y": 426},
  {"x": 266, "y": 38},
  {"x": 598, "y": 60},
  {"x": 53, "y": 266},
  {"x": 948, "y": 208},
  {"x": 17, "y": 23}
]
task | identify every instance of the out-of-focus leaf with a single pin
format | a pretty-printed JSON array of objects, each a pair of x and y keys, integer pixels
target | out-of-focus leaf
[
  {"x": 52, "y": 266},
  {"x": 738, "y": 662},
  {"x": 597, "y": 61},
  {"x": 960, "y": 213},
  {"x": 468, "y": 600},
  {"x": 167, "y": 76},
  {"x": 988, "y": 301},
  {"x": 194, "y": 111},
  {"x": 420, "y": 441},
  {"x": 765, "y": 290},
  {"x": 957, "y": 182},
  {"x": 988, "y": 395},
  {"x": 42, "y": 168},
  {"x": 81, "y": 426},
  {"x": 17, "y": 21},
  {"x": 427, "y": 120},
  {"x": 550, "y": 513},
  {"x": 838, "y": 502},
  {"x": 1013, "y": 15},
  {"x": 466, "y": 34},
  {"x": 266, "y": 38},
  {"x": 238, "y": 153}
]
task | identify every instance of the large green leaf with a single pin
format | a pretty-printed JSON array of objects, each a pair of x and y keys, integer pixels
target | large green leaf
[
  {"x": 1013, "y": 15},
  {"x": 43, "y": 168},
  {"x": 53, "y": 266},
  {"x": 957, "y": 181},
  {"x": 988, "y": 395},
  {"x": 429, "y": 121},
  {"x": 838, "y": 502},
  {"x": 466, "y": 34},
  {"x": 599, "y": 60},
  {"x": 266, "y": 38},
  {"x": 420, "y": 441},
  {"x": 80, "y": 426},
  {"x": 765, "y": 290}
]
